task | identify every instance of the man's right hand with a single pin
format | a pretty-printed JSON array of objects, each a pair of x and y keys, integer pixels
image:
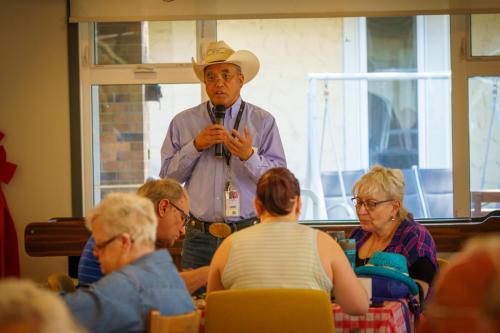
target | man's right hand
[{"x": 210, "y": 136}]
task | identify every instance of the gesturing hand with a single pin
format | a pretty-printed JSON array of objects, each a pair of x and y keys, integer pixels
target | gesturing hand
[
  {"x": 240, "y": 145},
  {"x": 210, "y": 136}
]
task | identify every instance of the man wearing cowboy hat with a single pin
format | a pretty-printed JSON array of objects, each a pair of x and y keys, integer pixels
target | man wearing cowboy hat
[{"x": 221, "y": 187}]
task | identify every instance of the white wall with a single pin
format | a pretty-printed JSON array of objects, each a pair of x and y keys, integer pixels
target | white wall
[{"x": 34, "y": 115}]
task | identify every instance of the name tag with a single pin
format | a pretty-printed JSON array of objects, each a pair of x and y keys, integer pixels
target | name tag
[{"x": 232, "y": 202}]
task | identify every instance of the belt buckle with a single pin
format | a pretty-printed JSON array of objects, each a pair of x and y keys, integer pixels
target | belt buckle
[{"x": 220, "y": 230}]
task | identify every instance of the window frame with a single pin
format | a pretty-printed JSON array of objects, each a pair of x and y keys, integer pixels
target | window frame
[
  {"x": 463, "y": 66},
  {"x": 91, "y": 75}
]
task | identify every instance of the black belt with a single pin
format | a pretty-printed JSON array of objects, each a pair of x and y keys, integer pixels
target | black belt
[{"x": 222, "y": 229}]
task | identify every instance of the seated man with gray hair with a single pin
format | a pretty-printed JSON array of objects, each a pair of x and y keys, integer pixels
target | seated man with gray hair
[
  {"x": 171, "y": 203},
  {"x": 137, "y": 278}
]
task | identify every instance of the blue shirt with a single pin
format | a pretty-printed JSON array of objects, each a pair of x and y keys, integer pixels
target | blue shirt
[
  {"x": 205, "y": 175},
  {"x": 121, "y": 300},
  {"x": 89, "y": 268}
]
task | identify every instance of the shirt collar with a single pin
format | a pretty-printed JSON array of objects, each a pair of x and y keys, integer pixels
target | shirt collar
[{"x": 233, "y": 109}]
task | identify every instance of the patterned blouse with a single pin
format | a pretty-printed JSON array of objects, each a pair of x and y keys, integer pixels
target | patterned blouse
[{"x": 411, "y": 239}]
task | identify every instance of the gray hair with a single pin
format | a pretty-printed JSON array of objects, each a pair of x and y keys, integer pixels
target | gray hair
[
  {"x": 44, "y": 311},
  {"x": 126, "y": 213},
  {"x": 159, "y": 189}
]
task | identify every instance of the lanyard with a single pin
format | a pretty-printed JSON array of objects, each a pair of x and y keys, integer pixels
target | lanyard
[{"x": 227, "y": 154}]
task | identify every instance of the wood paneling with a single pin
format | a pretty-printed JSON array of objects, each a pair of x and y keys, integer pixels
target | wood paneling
[
  {"x": 68, "y": 237},
  {"x": 449, "y": 234}
]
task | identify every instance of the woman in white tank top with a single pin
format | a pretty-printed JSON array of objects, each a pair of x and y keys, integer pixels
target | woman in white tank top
[{"x": 280, "y": 253}]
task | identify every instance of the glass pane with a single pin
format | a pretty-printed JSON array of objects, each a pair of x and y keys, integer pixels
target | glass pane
[
  {"x": 484, "y": 138},
  {"x": 315, "y": 78},
  {"x": 485, "y": 39},
  {"x": 129, "y": 125},
  {"x": 143, "y": 43},
  {"x": 392, "y": 105},
  {"x": 392, "y": 44}
]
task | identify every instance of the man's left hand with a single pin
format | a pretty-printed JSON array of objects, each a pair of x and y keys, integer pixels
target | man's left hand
[{"x": 240, "y": 145}]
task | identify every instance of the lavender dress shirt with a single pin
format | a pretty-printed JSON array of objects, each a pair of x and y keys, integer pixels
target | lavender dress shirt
[{"x": 205, "y": 176}]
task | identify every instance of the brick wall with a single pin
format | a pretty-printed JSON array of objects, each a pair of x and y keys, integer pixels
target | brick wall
[
  {"x": 121, "y": 116},
  {"x": 121, "y": 134}
]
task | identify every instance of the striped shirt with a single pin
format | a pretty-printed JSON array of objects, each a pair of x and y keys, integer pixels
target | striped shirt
[
  {"x": 275, "y": 255},
  {"x": 89, "y": 269}
]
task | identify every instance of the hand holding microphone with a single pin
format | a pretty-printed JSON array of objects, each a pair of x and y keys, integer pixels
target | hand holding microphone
[
  {"x": 220, "y": 112},
  {"x": 214, "y": 134}
]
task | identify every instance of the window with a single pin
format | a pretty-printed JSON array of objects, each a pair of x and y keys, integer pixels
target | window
[
  {"x": 144, "y": 43},
  {"x": 370, "y": 90},
  {"x": 347, "y": 93},
  {"x": 129, "y": 124},
  {"x": 138, "y": 78},
  {"x": 485, "y": 40},
  {"x": 484, "y": 117}
]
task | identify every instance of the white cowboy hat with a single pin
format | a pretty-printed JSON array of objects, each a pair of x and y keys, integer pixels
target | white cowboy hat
[{"x": 219, "y": 53}]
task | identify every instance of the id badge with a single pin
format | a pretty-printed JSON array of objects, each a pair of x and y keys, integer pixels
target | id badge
[{"x": 232, "y": 201}]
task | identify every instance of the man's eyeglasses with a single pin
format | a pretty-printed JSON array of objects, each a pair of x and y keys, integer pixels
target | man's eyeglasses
[
  {"x": 212, "y": 77},
  {"x": 185, "y": 217},
  {"x": 369, "y": 204},
  {"x": 101, "y": 246}
]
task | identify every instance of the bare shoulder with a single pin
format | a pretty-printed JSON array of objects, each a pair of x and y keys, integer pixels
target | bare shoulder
[{"x": 225, "y": 246}]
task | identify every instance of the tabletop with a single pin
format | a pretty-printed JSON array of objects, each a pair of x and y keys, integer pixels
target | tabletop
[{"x": 387, "y": 318}]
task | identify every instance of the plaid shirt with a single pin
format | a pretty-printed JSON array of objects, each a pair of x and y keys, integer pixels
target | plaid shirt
[{"x": 411, "y": 239}]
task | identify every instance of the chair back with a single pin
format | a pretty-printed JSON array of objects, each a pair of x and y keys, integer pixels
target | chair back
[
  {"x": 414, "y": 198},
  {"x": 60, "y": 282},
  {"x": 269, "y": 311},
  {"x": 437, "y": 188},
  {"x": 185, "y": 323},
  {"x": 337, "y": 188},
  {"x": 380, "y": 117}
]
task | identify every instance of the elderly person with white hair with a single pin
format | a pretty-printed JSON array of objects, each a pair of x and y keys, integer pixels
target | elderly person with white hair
[
  {"x": 26, "y": 308},
  {"x": 138, "y": 278}
]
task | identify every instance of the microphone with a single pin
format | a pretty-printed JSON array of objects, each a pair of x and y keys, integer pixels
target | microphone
[{"x": 220, "y": 111}]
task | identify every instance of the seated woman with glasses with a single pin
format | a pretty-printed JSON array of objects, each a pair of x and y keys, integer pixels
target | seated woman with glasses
[
  {"x": 137, "y": 278},
  {"x": 386, "y": 225},
  {"x": 280, "y": 253}
]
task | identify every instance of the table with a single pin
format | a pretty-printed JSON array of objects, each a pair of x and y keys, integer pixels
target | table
[
  {"x": 388, "y": 319},
  {"x": 480, "y": 196}
]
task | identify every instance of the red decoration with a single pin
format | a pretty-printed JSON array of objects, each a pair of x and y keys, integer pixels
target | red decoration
[{"x": 9, "y": 253}]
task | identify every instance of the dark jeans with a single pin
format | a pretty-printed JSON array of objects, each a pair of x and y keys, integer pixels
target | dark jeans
[{"x": 198, "y": 248}]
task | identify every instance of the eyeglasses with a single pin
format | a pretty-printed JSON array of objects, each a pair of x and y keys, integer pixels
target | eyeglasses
[
  {"x": 211, "y": 77},
  {"x": 185, "y": 217},
  {"x": 102, "y": 246},
  {"x": 369, "y": 204}
]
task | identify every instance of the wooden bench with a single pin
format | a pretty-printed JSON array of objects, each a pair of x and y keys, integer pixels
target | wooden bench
[{"x": 67, "y": 236}]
